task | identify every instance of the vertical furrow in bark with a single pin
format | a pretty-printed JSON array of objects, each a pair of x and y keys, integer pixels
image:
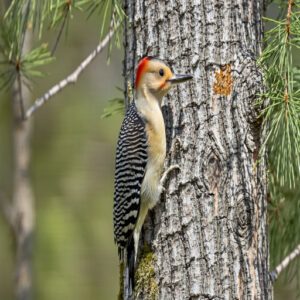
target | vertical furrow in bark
[
  {"x": 130, "y": 47},
  {"x": 208, "y": 233}
]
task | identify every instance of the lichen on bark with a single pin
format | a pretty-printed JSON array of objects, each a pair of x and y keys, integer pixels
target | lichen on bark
[{"x": 146, "y": 286}]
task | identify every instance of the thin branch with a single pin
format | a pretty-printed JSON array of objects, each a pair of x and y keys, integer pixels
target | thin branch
[
  {"x": 72, "y": 78},
  {"x": 283, "y": 265},
  {"x": 22, "y": 109},
  {"x": 22, "y": 203},
  {"x": 288, "y": 19},
  {"x": 61, "y": 29},
  {"x": 288, "y": 36}
]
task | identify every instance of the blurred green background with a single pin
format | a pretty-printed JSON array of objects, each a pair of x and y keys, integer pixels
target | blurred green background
[{"x": 72, "y": 172}]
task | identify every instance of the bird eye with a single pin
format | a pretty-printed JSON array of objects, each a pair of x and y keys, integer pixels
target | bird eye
[{"x": 161, "y": 72}]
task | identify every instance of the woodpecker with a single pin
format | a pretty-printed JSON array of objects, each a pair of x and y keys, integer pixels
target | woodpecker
[{"x": 140, "y": 155}]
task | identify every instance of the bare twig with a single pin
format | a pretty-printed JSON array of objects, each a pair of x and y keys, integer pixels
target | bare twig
[
  {"x": 282, "y": 266},
  {"x": 72, "y": 78}
]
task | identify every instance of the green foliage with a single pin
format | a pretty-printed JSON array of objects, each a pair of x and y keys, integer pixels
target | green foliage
[
  {"x": 284, "y": 212},
  {"x": 282, "y": 120},
  {"x": 112, "y": 10},
  {"x": 34, "y": 59},
  {"x": 105, "y": 8},
  {"x": 114, "y": 106},
  {"x": 36, "y": 15},
  {"x": 283, "y": 93}
]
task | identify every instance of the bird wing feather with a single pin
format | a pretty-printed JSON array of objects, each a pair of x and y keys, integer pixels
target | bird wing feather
[{"x": 131, "y": 160}]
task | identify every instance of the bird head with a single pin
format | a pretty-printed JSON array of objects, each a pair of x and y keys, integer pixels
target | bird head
[{"x": 156, "y": 77}]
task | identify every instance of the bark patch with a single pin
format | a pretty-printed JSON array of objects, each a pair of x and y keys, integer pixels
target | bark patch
[{"x": 223, "y": 81}]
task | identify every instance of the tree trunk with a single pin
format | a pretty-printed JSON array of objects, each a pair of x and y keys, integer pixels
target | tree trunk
[
  {"x": 22, "y": 210},
  {"x": 208, "y": 235}
]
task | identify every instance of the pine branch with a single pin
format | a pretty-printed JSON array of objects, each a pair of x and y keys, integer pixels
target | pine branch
[
  {"x": 60, "y": 30},
  {"x": 281, "y": 115},
  {"x": 288, "y": 19},
  {"x": 287, "y": 40},
  {"x": 72, "y": 78},
  {"x": 285, "y": 262},
  {"x": 22, "y": 109}
]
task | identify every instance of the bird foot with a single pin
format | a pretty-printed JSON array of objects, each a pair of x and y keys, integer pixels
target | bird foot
[{"x": 166, "y": 173}]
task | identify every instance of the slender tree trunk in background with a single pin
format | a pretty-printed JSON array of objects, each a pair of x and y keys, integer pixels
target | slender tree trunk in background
[
  {"x": 208, "y": 235},
  {"x": 22, "y": 210}
]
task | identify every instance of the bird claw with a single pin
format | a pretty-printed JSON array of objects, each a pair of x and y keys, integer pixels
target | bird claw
[{"x": 165, "y": 175}]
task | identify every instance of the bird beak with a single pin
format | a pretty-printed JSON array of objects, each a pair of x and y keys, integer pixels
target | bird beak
[{"x": 177, "y": 78}]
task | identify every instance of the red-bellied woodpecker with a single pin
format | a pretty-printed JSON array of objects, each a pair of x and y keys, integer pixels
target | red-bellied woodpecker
[{"x": 141, "y": 151}]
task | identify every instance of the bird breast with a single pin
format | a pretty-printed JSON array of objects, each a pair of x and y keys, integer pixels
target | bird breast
[{"x": 156, "y": 136}]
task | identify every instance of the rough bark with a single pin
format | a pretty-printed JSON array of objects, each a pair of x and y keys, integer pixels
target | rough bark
[
  {"x": 208, "y": 235},
  {"x": 22, "y": 209}
]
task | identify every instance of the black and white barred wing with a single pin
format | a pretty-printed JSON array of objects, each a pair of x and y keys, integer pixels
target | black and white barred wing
[{"x": 131, "y": 159}]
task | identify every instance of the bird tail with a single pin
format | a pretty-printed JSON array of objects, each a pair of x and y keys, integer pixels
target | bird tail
[{"x": 129, "y": 271}]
